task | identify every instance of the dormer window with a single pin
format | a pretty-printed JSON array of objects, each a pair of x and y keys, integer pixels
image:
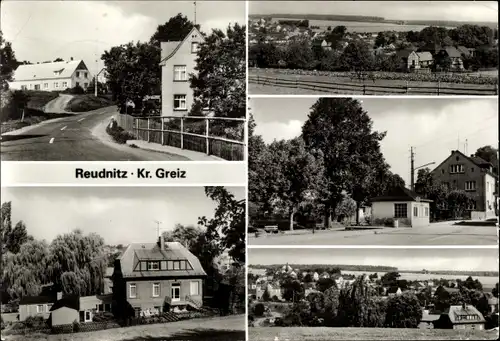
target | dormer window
[{"x": 153, "y": 266}]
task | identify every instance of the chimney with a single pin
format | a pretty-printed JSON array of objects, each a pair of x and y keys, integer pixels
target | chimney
[
  {"x": 59, "y": 295},
  {"x": 161, "y": 242},
  {"x": 464, "y": 306}
]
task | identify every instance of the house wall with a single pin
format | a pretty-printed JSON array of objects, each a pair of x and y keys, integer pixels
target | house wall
[
  {"x": 145, "y": 300},
  {"x": 385, "y": 209},
  {"x": 413, "y": 61},
  {"x": 64, "y": 315},
  {"x": 30, "y": 85},
  {"x": 478, "y": 326},
  {"x": 27, "y": 310},
  {"x": 169, "y": 87},
  {"x": 471, "y": 173},
  {"x": 83, "y": 79},
  {"x": 422, "y": 218}
]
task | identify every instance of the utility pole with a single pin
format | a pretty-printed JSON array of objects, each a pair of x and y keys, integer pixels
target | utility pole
[
  {"x": 412, "y": 166},
  {"x": 96, "y": 82}
]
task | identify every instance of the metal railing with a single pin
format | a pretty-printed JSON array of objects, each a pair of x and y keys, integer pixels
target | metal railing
[
  {"x": 219, "y": 136},
  {"x": 367, "y": 88}
]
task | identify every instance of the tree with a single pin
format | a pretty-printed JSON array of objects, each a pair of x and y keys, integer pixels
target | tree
[
  {"x": 458, "y": 201},
  {"x": 17, "y": 237},
  {"x": 8, "y": 61},
  {"x": 357, "y": 57},
  {"x": 324, "y": 284},
  {"x": 495, "y": 290},
  {"x": 220, "y": 82},
  {"x": 185, "y": 235},
  {"x": 133, "y": 72},
  {"x": 403, "y": 311},
  {"x": 342, "y": 131},
  {"x": 6, "y": 226},
  {"x": 390, "y": 278},
  {"x": 472, "y": 284},
  {"x": 175, "y": 29},
  {"x": 259, "y": 309},
  {"x": 58, "y": 59},
  {"x": 266, "y": 296},
  {"x": 346, "y": 208},
  {"x": 489, "y": 154},
  {"x": 227, "y": 227},
  {"x": 299, "y": 54},
  {"x": 293, "y": 291},
  {"x": 380, "y": 40}
]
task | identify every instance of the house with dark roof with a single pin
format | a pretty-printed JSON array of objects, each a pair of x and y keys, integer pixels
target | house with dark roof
[
  {"x": 56, "y": 76},
  {"x": 473, "y": 175},
  {"x": 36, "y": 306},
  {"x": 401, "y": 204},
  {"x": 148, "y": 275},
  {"x": 454, "y": 55},
  {"x": 463, "y": 316},
  {"x": 178, "y": 60},
  {"x": 394, "y": 291}
]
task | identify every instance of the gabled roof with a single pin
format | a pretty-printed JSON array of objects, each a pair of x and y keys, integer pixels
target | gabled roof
[
  {"x": 464, "y": 50},
  {"x": 452, "y": 51},
  {"x": 404, "y": 53},
  {"x": 455, "y": 311},
  {"x": 72, "y": 302},
  {"x": 169, "y": 48},
  {"x": 424, "y": 56},
  {"x": 136, "y": 252},
  {"x": 48, "y": 70},
  {"x": 36, "y": 300},
  {"x": 399, "y": 193},
  {"x": 478, "y": 161}
]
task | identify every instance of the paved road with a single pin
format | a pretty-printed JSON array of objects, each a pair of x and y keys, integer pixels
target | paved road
[
  {"x": 436, "y": 234},
  {"x": 74, "y": 138}
]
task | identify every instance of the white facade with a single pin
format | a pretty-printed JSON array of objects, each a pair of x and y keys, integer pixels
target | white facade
[
  {"x": 56, "y": 76},
  {"x": 178, "y": 63},
  {"x": 417, "y": 213},
  {"x": 489, "y": 197}
]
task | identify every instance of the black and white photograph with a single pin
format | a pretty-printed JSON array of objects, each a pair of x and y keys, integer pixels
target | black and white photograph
[
  {"x": 372, "y": 294},
  {"x": 373, "y": 47},
  {"x": 373, "y": 171},
  {"x": 123, "y": 81},
  {"x": 123, "y": 263}
]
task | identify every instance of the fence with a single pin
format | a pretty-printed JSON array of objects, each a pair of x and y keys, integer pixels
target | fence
[
  {"x": 367, "y": 89},
  {"x": 220, "y": 136}
]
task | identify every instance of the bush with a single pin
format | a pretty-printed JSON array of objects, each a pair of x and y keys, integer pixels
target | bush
[
  {"x": 76, "y": 326},
  {"x": 87, "y": 103},
  {"x": 259, "y": 309},
  {"x": 77, "y": 90},
  {"x": 167, "y": 302},
  {"x": 35, "y": 322},
  {"x": 118, "y": 134},
  {"x": 389, "y": 222}
]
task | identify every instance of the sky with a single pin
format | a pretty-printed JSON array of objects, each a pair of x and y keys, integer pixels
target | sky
[
  {"x": 482, "y": 11},
  {"x": 403, "y": 259},
  {"x": 46, "y": 30},
  {"x": 434, "y": 126},
  {"x": 120, "y": 215}
]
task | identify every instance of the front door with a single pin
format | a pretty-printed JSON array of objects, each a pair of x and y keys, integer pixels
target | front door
[{"x": 176, "y": 292}]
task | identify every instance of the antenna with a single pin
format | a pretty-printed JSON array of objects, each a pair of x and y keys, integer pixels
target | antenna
[
  {"x": 158, "y": 227},
  {"x": 194, "y": 3}
]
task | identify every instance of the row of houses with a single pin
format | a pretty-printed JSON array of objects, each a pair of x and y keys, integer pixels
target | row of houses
[{"x": 146, "y": 275}]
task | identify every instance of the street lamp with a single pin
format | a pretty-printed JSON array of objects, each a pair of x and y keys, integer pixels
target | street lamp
[{"x": 413, "y": 169}]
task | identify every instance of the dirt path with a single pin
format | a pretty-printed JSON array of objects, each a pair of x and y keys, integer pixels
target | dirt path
[{"x": 58, "y": 105}]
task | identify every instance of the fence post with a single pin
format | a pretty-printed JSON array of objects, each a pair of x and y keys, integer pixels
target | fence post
[
  {"x": 364, "y": 89},
  {"x": 439, "y": 86},
  {"x": 162, "y": 122},
  {"x": 148, "y": 128},
  {"x": 407, "y": 88},
  {"x": 137, "y": 127},
  {"x": 207, "y": 120},
  {"x": 182, "y": 132}
]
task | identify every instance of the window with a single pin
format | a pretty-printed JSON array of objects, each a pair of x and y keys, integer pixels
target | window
[
  {"x": 177, "y": 265},
  {"x": 132, "y": 292},
  {"x": 64, "y": 84},
  {"x": 194, "y": 47},
  {"x": 86, "y": 75},
  {"x": 100, "y": 307},
  {"x": 88, "y": 316},
  {"x": 456, "y": 168},
  {"x": 153, "y": 265},
  {"x": 77, "y": 84},
  {"x": 77, "y": 74},
  {"x": 37, "y": 86},
  {"x": 24, "y": 87},
  {"x": 400, "y": 211},
  {"x": 471, "y": 206},
  {"x": 85, "y": 85},
  {"x": 194, "y": 289},
  {"x": 56, "y": 85},
  {"x": 180, "y": 102},
  {"x": 31, "y": 86},
  {"x": 45, "y": 85},
  {"x": 39, "y": 308},
  {"x": 472, "y": 170},
  {"x": 470, "y": 185},
  {"x": 427, "y": 211},
  {"x": 415, "y": 211},
  {"x": 442, "y": 171},
  {"x": 47, "y": 307},
  {"x": 156, "y": 289},
  {"x": 180, "y": 73},
  {"x": 176, "y": 292}
]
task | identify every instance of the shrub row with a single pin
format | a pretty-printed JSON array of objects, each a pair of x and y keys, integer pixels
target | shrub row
[
  {"x": 118, "y": 134},
  {"x": 410, "y": 77}
]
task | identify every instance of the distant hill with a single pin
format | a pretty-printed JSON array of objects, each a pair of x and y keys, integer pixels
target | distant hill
[
  {"x": 457, "y": 273},
  {"x": 367, "y": 268},
  {"x": 370, "y": 19}
]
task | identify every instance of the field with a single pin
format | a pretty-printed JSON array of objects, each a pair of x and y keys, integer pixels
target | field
[
  {"x": 284, "y": 81},
  {"x": 230, "y": 328},
  {"x": 362, "y": 27},
  {"x": 324, "y": 334}
]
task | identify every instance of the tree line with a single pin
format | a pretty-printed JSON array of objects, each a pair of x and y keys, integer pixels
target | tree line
[
  {"x": 319, "y": 268},
  {"x": 336, "y": 158}
]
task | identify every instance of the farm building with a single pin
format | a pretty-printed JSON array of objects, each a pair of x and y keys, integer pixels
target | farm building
[
  {"x": 461, "y": 317},
  {"x": 403, "y": 205}
]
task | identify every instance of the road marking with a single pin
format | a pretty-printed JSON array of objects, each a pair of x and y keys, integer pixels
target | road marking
[
  {"x": 81, "y": 119},
  {"x": 51, "y": 140},
  {"x": 64, "y": 127}
]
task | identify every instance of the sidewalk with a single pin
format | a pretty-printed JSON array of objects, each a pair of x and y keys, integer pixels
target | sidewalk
[{"x": 156, "y": 147}]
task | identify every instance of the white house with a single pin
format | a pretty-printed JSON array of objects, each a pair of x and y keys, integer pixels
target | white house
[
  {"x": 178, "y": 59},
  {"x": 403, "y": 205},
  {"x": 56, "y": 76}
]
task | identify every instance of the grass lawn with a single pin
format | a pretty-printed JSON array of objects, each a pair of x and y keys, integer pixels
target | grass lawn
[
  {"x": 458, "y": 88},
  {"x": 324, "y": 334},
  {"x": 230, "y": 328}
]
